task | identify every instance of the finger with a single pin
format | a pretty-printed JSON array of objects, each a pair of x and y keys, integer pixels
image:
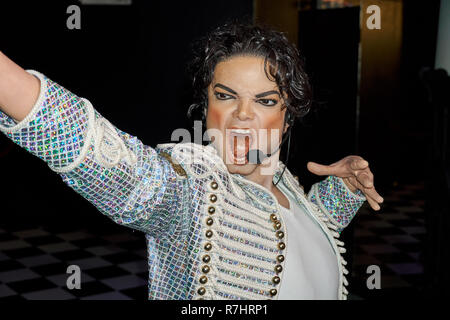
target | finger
[
  {"x": 370, "y": 193},
  {"x": 365, "y": 178},
  {"x": 320, "y": 169},
  {"x": 358, "y": 163},
  {"x": 375, "y": 206},
  {"x": 348, "y": 166},
  {"x": 355, "y": 183}
]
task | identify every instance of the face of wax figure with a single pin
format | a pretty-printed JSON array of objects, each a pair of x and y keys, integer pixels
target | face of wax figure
[{"x": 240, "y": 97}]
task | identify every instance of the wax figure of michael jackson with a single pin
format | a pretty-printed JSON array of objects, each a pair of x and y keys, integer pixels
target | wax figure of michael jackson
[{"x": 222, "y": 221}]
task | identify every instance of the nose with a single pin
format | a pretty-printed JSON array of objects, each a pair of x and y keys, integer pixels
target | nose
[{"x": 244, "y": 110}]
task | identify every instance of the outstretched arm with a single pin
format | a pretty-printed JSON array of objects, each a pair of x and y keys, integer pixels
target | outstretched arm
[
  {"x": 348, "y": 185},
  {"x": 125, "y": 179}
]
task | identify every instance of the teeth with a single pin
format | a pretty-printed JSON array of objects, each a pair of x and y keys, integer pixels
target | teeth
[{"x": 240, "y": 131}]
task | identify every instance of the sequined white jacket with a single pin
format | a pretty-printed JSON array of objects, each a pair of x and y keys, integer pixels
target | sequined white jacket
[{"x": 210, "y": 234}]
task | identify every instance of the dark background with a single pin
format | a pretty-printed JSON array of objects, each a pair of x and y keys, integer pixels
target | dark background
[{"x": 130, "y": 62}]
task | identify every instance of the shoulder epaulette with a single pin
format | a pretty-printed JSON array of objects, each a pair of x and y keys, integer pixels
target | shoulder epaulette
[{"x": 178, "y": 168}]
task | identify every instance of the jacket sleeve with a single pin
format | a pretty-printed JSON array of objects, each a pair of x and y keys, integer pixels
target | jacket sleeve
[
  {"x": 335, "y": 199},
  {"x": 124, "y": 179}
]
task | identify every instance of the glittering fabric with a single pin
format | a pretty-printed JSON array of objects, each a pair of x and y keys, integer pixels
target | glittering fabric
[
  {"x": 210, "y": 234},
  {"x": 56, "y": 131},
  {"x": 336, "y": 200}
]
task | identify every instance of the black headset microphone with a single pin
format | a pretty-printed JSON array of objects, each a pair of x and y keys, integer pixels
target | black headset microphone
[{"x": 256, "y": 156}]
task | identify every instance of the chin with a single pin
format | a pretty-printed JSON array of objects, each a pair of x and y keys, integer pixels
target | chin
[{"x": 242, "y": 169}]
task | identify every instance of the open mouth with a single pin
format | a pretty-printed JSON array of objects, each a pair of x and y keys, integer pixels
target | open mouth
[{"x": 239, "y": 142}]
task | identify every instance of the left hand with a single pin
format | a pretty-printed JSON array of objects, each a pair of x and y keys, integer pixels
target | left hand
[{"x": 356, "y": 174}]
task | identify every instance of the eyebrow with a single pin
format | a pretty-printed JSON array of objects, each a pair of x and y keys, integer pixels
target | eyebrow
[
  {"x": 259, "y": 95},
  {"x": 225, "y": 88}
]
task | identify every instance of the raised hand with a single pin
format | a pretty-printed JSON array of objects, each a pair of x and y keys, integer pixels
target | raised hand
[{"x": 356, "y": 174}]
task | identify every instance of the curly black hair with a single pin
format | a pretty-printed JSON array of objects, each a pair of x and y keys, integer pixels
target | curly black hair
[{"x": 286, "y": 65}]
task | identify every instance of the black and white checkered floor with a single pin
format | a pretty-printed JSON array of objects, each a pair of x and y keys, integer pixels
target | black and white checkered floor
[
  {"x": 393, "y": 239},
  {"x": 34, "y": 260}
]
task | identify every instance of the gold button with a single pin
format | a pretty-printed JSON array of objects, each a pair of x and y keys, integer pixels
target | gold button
[
  {"x": 205, "y": 269},
  {"x": 209, "y": 221},
  {"x": 213, "y": 198},
  {"x": 273, "y": 217},
  {"x": 201, "y": 291},
  {"x": 280, "y": 234},
  {"x": 276, "y": 280},
  {"x": 206, "y": 258},
  {"x": 280, "y": 258},
  {"x": 209, "y": 233},
  {"x": 277, "y": 225},
  {"x": 211, "y": 210},
  {"x": 208, "y": 246},
  {"x": 214, "y": 185},
  {"x": 278, "y": 268},
  {"x": 281, "y": 246},
  {"x": 203, "y": 279},
  {"x": 273, "y": 292}
]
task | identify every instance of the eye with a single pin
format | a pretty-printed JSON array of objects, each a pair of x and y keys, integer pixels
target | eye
[
  {"x": 222, "y": 96},
  {"x": 268, "y": 102}
]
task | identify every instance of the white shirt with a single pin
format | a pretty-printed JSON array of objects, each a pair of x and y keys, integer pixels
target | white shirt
[{"x": 311, "y": 270}]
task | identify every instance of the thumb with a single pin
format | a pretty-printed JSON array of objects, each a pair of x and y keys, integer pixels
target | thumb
[{"x": 319, "y": 169}]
